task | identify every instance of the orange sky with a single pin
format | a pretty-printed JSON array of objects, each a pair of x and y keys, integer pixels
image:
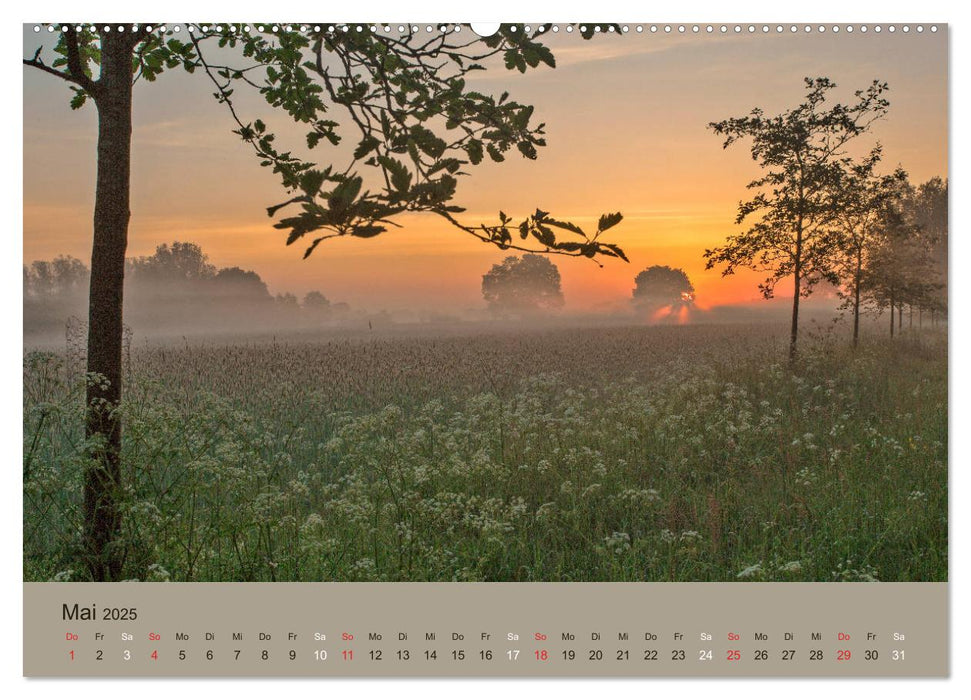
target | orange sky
[{"x": 626, "y": 120}]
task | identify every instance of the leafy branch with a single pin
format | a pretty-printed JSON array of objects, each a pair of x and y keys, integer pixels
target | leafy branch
[
  {"x": 417, "y": 126},
  {"x": 404, "y": 102}
]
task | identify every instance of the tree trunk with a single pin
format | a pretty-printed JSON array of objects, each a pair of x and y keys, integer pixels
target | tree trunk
[
  {"x": 892, "y": 312},
  {"x": 900, "y": 317},
  {"x": 794, "y": 328},
  {"x": 797, "y": 288},
  {"x": 856, "y": 299},
  {"x": 102, "y": 519}
]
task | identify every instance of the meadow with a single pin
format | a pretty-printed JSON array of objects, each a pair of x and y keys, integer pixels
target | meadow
[{"x": 666, "y": 453}]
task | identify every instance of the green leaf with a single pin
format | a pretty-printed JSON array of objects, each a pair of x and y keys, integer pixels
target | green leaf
[
  {"x": 544, "y": 236},
  {"x": 514, "y": 59},
  {"x": 617, "y": 250},
  {"x": 80, "y": 97},
  {"x": 344, "y": 195},
  {"x": 450, "y": 165},
  {"x": 367, "y": 144},
  {"x": 545, "y": 55},
  {"x": 474, "y": 149},
  {"x": 531, "y": 56},
  {"x": 567, "y": 225},
  {"x": 427, "y": 141},
  {"x": 527, "y": 149},
  {"x": 311, "y": 182},
  {"x": 609, "y": 221},
  {"x": 368, "y": 231},
  {"x": 399, "y": 175}
]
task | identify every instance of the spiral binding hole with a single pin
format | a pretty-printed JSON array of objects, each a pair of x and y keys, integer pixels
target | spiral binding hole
[{"x": 528, "y": 29}]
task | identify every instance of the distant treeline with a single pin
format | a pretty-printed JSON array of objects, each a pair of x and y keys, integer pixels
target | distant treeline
[
  {"x": 895, "y": 248},
  {"x": 176, "y": 286}
]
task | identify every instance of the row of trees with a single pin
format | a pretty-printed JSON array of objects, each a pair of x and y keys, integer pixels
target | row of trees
[
  {"x": 886, "y": 252},
  {"x": 890, "y": 246},
  {"x": 892, "y": 255},
  {"x": 820, "y": 213},
  {"x": 176, "y": 282},
  {"x": 179, "y": 277}
]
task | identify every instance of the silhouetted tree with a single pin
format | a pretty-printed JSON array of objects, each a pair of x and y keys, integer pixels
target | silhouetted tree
[
  {"x": 317, "y": 303},
  {"x": 287, "y": 302},
  {"x": 861, "y": 196},
  {"x": 404, "y": 99},
  {"x": 54, "y": 291},
  {"x": 240, "y": 286},
  {"x": 340, "y": 309},
  {"x": 175, "y": 283},
  {"x": 900, "y": 265},
  {"x": 522, "y": 286},
  {"x": 176, "y": 280},
  {"x": 930, "y": 206},
  {"x": 659, "y": 286},
  {"x": 801, "y": 152},
  {"x": 173, "y": 264},
  {"x": 60, "y": 279}
]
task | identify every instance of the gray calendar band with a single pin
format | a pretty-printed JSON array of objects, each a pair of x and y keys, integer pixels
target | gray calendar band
[{"x": 485, "y": 629}]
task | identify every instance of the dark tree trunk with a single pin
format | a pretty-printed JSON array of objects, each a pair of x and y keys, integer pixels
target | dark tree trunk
[
  {"x": 102, "y": 518},
  {"x": 797, "y": 290},
  {"x": 794, "y": 328},
  {"x": 857, "y": 279},
  {"x": 892, "y": 312},
  {"x": 900, "y": 317}
]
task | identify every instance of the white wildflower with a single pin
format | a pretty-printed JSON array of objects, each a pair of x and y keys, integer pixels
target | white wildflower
[{"x": 750, "y": 571}]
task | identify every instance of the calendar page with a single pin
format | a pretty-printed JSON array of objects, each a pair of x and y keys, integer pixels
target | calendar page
[{"x": 485, "y": 350}]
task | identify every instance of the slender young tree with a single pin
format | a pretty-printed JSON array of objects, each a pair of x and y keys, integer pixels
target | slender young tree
[
  {"x": 887, "y": 267},
  {"x": 900, "y": 265},
  {"x": 930, "y": 205},
  {"x": 801, "y": 152},
  {"x": 112, "y": 52},
  {"x": 860, "y": 197},
  {"x": 403, "y": 99}
]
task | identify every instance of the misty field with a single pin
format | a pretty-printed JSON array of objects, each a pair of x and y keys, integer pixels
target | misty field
[{"x": 690, "y": 453}]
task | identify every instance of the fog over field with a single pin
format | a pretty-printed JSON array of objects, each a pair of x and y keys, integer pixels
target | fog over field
[{"x": 179, "y": 295}]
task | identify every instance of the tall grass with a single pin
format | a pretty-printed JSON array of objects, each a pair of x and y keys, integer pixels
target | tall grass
[{"x": 660, "y": 454}]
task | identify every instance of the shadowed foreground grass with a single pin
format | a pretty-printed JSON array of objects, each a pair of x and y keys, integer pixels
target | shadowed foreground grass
[{"x": 681, "y": 454}]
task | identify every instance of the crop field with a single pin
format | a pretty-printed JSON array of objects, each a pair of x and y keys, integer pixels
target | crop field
[{"x": 694, "y": 453}]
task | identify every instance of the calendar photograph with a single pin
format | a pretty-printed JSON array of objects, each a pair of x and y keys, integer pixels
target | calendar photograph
[{"x": 451, "y": 303}]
